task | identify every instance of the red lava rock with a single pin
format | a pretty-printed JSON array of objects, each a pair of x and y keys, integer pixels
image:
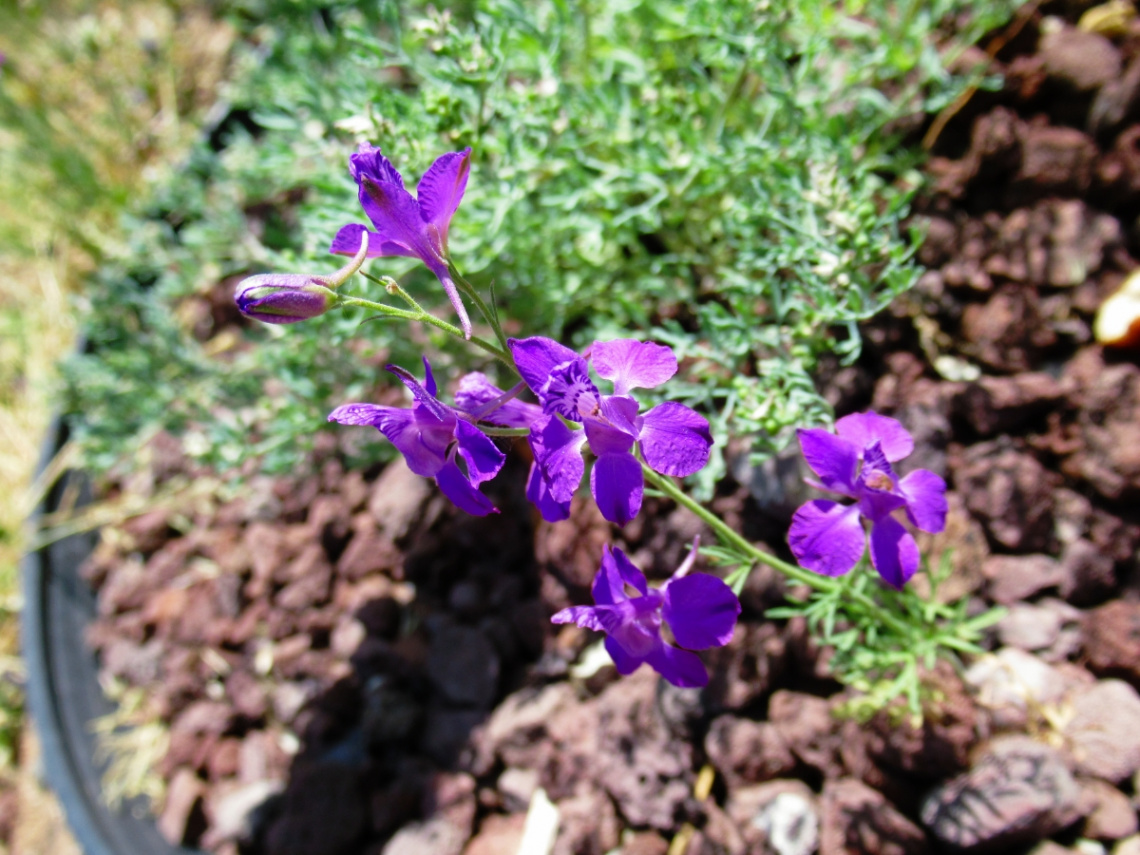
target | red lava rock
[
  {"x": 368, "y": 552},
  {"x": 1088, "y": 573},
  {"x": 261, "y": 757},
  {"x": 137, "y": 663},
  {"x": 858, "y": 819},
  {"x": 1104, "y": 731},
  {"x": 937, "y": 749},
  {"x": 1020, "y": 791},
  {"x": 1109, "y": 814},
  {"x": 569, "y": 550},
  {"x": 521, "y": 727},
  {"x": 1012, "y": 578},
  {"x": 747, "y": 667},
  {"x": 1007, "y": 332},
  {"x": 149, "y": 531},
  {"x": 448, "y": 822},
  {"x": 225, "y": 760},
  {"x": 177, "y": 823},
  {"x": 236, "y": 812},
  {"x": 463, "y": 666},
  {"x": 587, "y": 823},
  {"x": 498, "y": 834},
  {"x": 1112, "y": 640},
  {"x": 745, "y": 751},
  {"x": 646, "y": 843},
  {"x": 995, "y": 405},
  {"x": 1083, "y": 60},
  {"x": 645, "y": 768},
  {"x": 1009, "y": 492},
  {"x": 762, "y": 813},
  {"x": 1054, "y": 161},
  {"x": 807, "y": 727},
  {"x": 247, "y": 694},
  {"x": 1108, "y": 458},
  {"x": 397, "y": 499}
]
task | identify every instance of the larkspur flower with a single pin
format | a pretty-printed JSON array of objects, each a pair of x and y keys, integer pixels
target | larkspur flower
[
  {"x": 406, "y": 225},
  {"x": 431, "y": 436},
  {"x": 700, "y": 611},
  {"x": 285, "y": 298},
  {"x": 855, "y": 462},
  {"x": 672, "y": 438}
]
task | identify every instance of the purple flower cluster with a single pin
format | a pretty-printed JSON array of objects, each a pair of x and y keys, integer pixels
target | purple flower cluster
[
  {"x": 855, "y": 462},
  {"x": 699, "y": 610},
  {"x": 572, "y": 415}
]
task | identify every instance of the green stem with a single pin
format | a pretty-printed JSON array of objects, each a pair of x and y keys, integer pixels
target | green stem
[
  {"x": 823, "y": 584},
  {"x": 418, "y": 314},
  {"x": 488, "y": 312}
]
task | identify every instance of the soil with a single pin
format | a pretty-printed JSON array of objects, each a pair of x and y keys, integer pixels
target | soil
[{"x": 349, "y": 665}]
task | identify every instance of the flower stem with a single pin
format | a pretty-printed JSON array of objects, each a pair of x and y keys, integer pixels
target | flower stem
[
  {"x": 417, "y": 313},
  {"x": 488, "y": 312}
]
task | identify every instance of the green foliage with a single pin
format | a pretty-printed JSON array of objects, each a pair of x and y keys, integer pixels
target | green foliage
[
  {"x": 884, "y": 642},
  {"x": 722, "y": 176}
]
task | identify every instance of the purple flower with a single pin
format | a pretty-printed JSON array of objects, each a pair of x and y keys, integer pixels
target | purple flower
[
  {"x": 672, "y": 438},
  {"x": 431, "y": 435},
  {"x": 415, "y": 227},
  {"x": 558, "y": 466},
  {"x": 828, "y": 537},
  {"x": 700, "y": 611},
  {"x": 285, "y": 298}
]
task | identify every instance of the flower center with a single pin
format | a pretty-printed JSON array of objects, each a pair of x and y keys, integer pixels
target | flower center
[{"x": 878, "y": 480}]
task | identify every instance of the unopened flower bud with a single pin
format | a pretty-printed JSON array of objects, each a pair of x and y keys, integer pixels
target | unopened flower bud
[
  {"x": 285, "y": 298},
  {"x": 282, "y": 298}
]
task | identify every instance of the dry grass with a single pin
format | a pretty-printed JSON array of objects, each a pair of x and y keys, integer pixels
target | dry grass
[{"x": 95, "y": 99}]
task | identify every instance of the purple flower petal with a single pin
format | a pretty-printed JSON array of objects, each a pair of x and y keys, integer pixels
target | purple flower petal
[
  {"x": 893, "y": 552},
  {"x": 605, "y": 438},
  {"x": 537, "y": 357},
  {"x": 608, "y": 586},
  {"x": 626, "y": 570},
  {"x": 425, "y": 398},
  {"x": 925, "y": 495},
  {"x": 587, "y": 617},
  {"x": 631, "y": 364},
  {"x": 675, "y": 439},
  {"x": 682, "y": 668},
  {"x": 864, "y": 429},
  {"x": 482, "y": 456},
  {"x": 363, "y": 414},
  {"x": 569, "y": 391},
  {"x": 441, "y": 189},
  {"x": 617, "y": 485},
  {"x": 621, "y": 412},
  {"x": 834, "y": 459},
  {"x": 437, "y": 266},
  {"x": 396, "y": 216},
  {"x": 347, "y": 242},
  {"x": 454, "y": 484},
  {"x": 558, "y": 455},
  {"x": 538, "y": 493},
  {"x": 624, "y": 662},
  {"x": 476, "y": 391},
  {"x": 827, "y": 537},
  {"x": 368, "y": 162},
  {"x": 701, "y": 610}
]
